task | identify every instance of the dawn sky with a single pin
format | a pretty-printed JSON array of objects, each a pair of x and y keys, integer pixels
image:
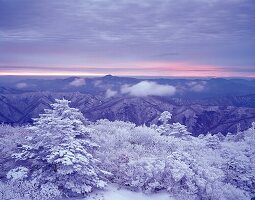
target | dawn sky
[{"x": 128, "y": 37}]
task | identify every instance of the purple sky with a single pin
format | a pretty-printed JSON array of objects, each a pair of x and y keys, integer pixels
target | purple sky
[{"x": 128, "y": 37}]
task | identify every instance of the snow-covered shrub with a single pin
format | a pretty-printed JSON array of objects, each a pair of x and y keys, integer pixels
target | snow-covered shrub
[
  {"x": 10, "y": 138},
  {"x": 188, "y": 167},
  {"x": 239, "y": 161},
  {"x": 28, "y": 190},
  {"x": 49, "y": 191},
  {"x": 61, "y": 151},
  {"x": 118, "y": 146},
  {"x": 226, "y": 191},
  {"x": 18, "y": 173}
]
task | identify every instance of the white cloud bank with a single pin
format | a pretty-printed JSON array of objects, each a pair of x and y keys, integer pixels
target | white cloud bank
[
  {"x": 197, "y": 86},
  {"x": 146, "y": 88},
  {"x": 21, "y": 85},
  {"x": 110, "y": 93},
  {"x": 78, "y": 82}
]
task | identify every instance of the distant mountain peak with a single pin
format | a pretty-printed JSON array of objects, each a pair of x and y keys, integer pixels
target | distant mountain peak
[
  {"x": 71, "y": 78},
  {"x": 108, "y": 76}
]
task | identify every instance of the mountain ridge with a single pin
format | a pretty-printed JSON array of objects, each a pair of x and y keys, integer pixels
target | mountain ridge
[{"x": 20, "y": 109}]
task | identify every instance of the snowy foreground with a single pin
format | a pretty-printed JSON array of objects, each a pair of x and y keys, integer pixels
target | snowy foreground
[
  {"x": 113, "y": 192},
  {"x": 64, "y": 155}
]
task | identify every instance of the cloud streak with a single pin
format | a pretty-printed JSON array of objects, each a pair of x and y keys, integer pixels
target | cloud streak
[
  {"x": 21, "y": 85},
  {"x": 110, "y": 93},
  {"x": 179, "y": 69},
  {"x": 77, "y": 82},
  {"x": 197, "y": 86}
]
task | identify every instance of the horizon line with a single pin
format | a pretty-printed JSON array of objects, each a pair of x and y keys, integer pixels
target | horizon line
[{"x": 102, "y": 75}]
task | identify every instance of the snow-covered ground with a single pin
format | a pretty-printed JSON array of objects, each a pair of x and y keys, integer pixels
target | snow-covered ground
[{"x": 112, "y": 192}]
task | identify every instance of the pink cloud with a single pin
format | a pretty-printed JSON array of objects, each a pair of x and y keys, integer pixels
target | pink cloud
[{"x": 178, "y": 69}]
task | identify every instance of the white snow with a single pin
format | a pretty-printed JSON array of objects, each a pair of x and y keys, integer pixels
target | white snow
[
  {"x": 112, "y": 192},
  {"x": 17, "y": 173}
]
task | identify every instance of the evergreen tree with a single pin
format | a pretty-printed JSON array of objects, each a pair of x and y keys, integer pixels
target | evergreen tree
[
  {"x": 212, "y": 141},
  {"x": 178, "y": 130},
  {"x": 61, "y": 151},
  {"x": 175, "y": 129},
  {"x": 165, "y": 117}
]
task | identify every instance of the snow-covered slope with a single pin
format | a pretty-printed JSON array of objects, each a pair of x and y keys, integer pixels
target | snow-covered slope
[{"x": 113, "y": 192}]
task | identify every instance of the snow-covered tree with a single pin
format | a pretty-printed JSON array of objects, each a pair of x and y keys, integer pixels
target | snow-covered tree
[
  {"x": 61, "y": 151},
  {"x": 165, "y": 117},
  {"x": 252, "y": 126},
  {"x": 164, "y": 127},
  {"x": 175, "y": 129},
  {"x": 212, "y": 141}
]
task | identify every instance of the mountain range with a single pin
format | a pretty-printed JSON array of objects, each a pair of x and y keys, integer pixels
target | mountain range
[{"x": 203, "y": 105}]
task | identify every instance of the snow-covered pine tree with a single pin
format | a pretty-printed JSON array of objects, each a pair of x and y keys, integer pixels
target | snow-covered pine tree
[
  {"x": 178, "y": 130},
  {"x": 164, "y": 127},
  {"x": 175, "y": 129},
  {"x": 165, "y": 117},
  {"x": 212, "y": 141},
  {"x": 61, "y": 151}
]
